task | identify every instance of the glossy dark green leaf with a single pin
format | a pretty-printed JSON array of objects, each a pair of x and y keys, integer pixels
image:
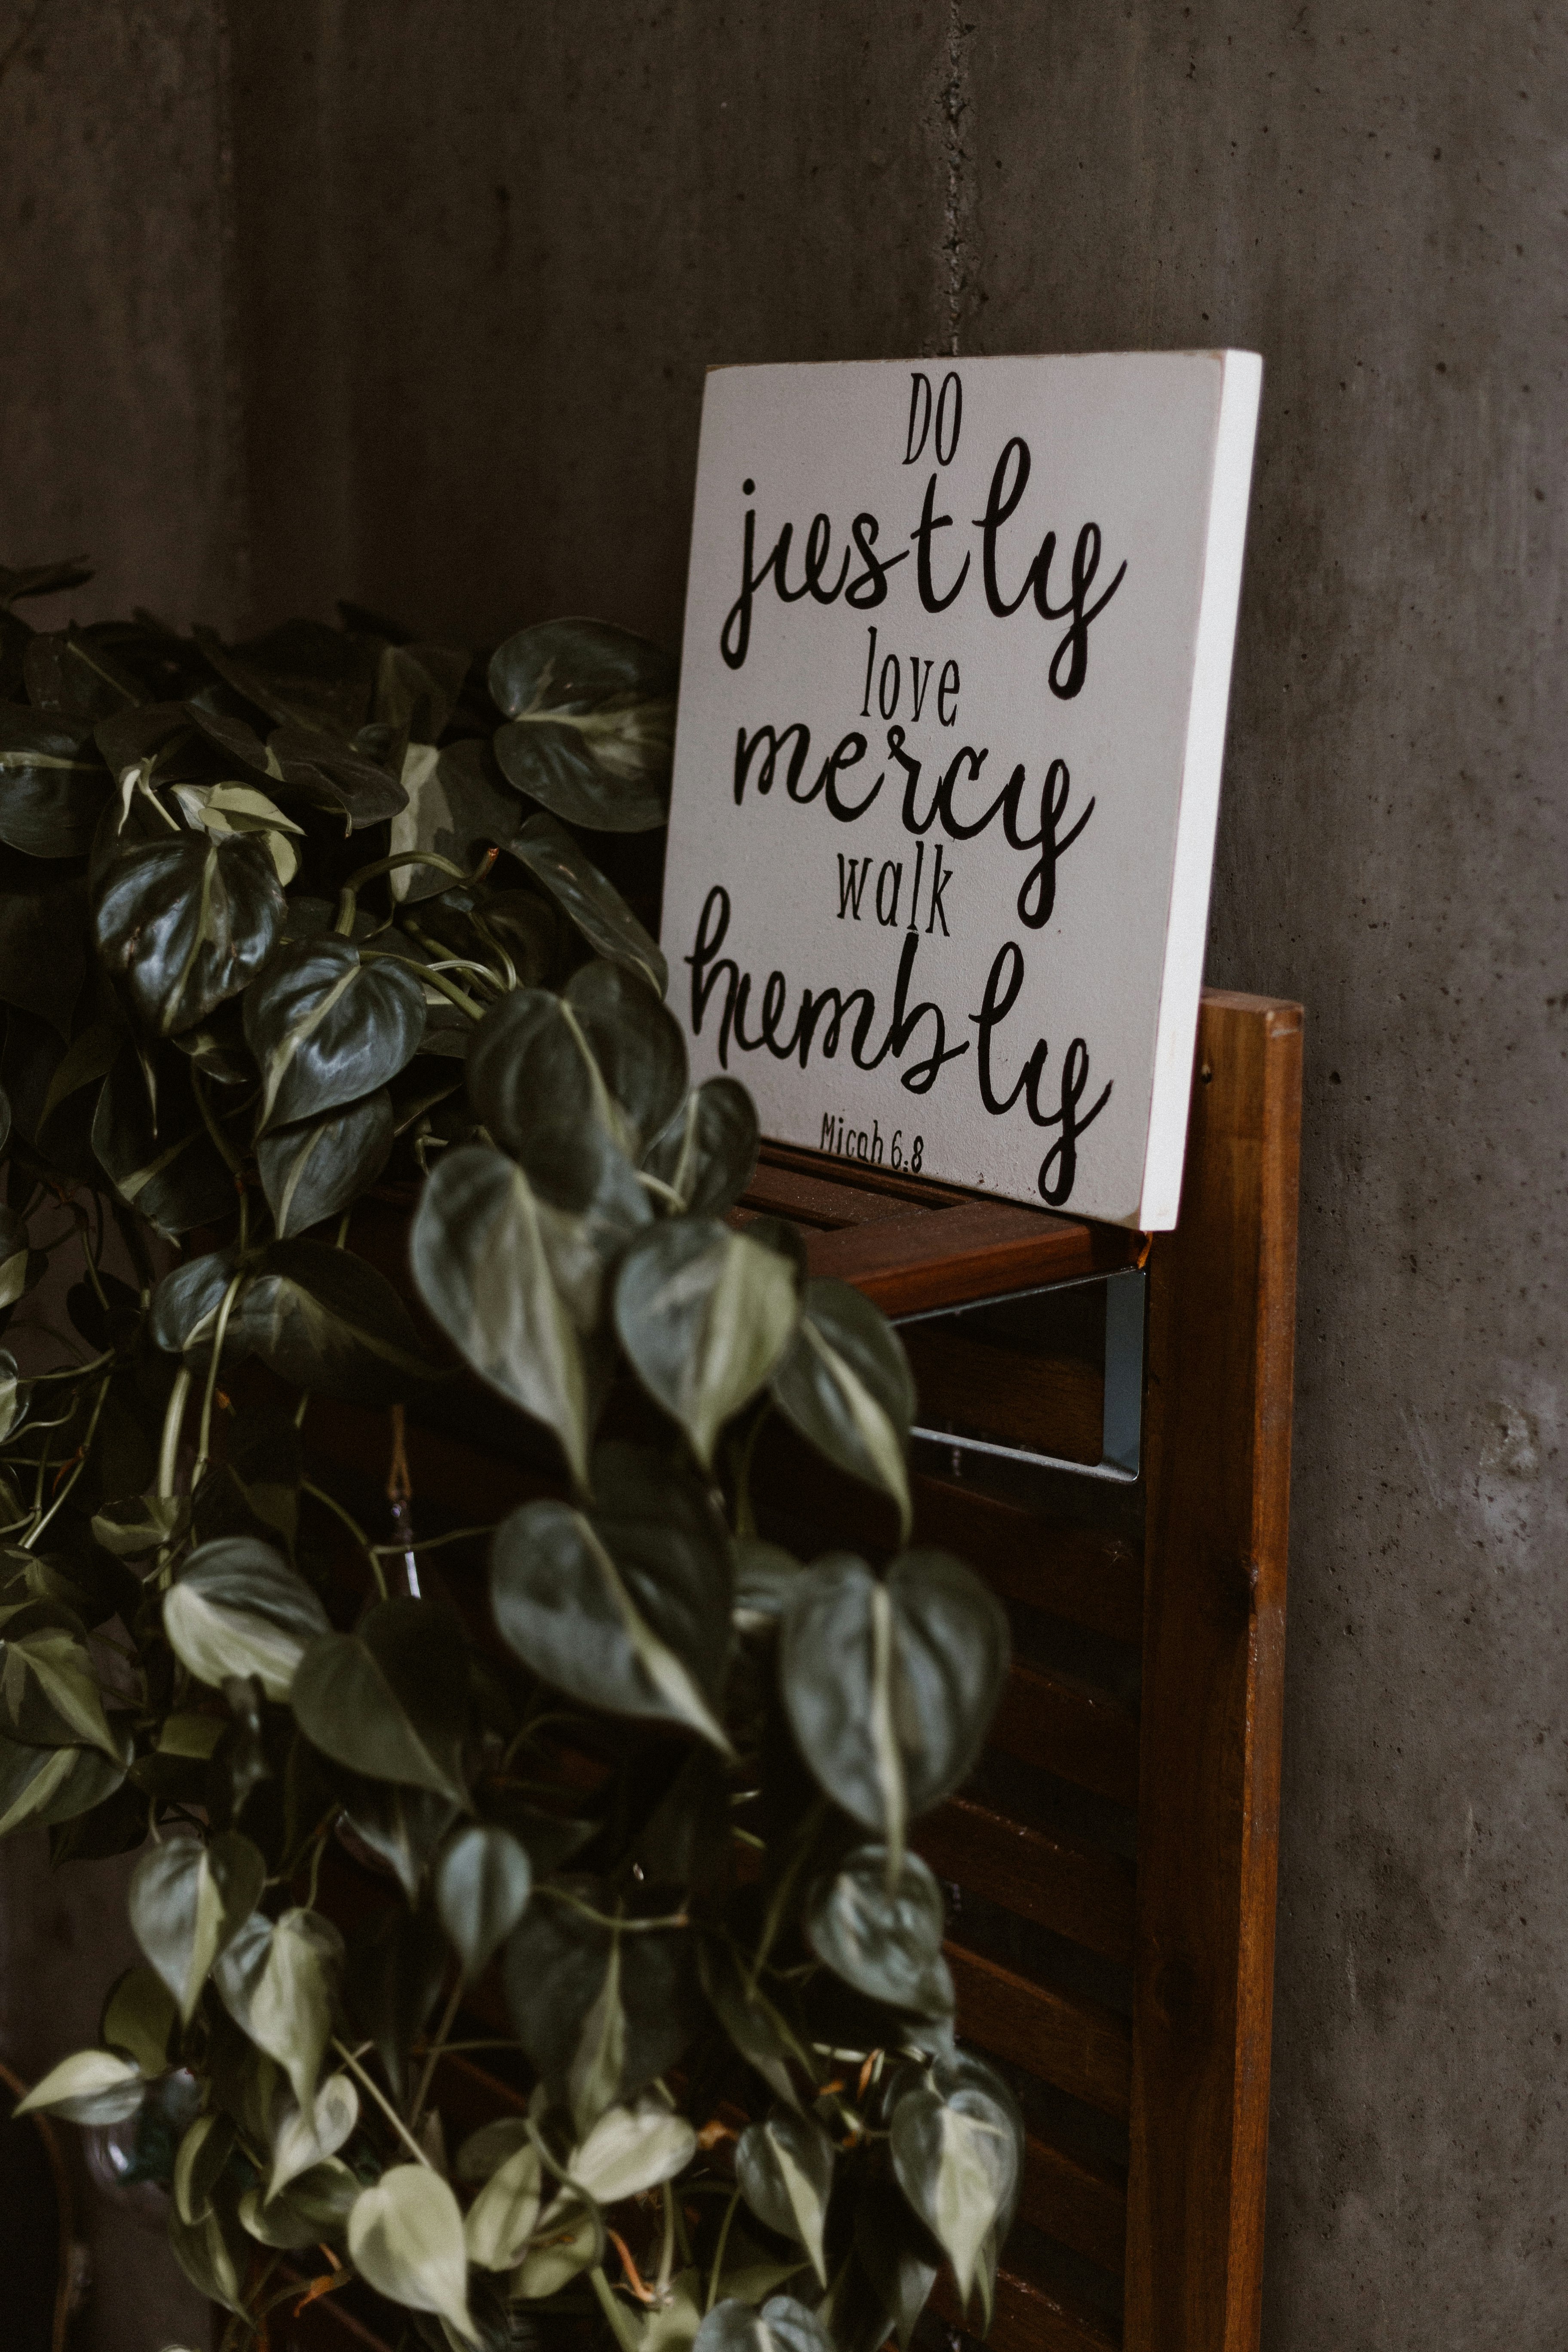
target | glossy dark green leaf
[
  {"x": 42, "y": 579},
  {"x": 49, "y": 1694},
  {"x": 482, "y": 1887},
  {"x": 637, "y": 1046},
  {"x": 590, "y": 2006},
  {"x": 42, "y": 1786},
  {"x": 528, "y": 1068},
  {"x": 311, "y": 2211},
  {"x": 889, "y": 1685},
  {"x": 18, "y": 1271},
  {"x": 402, "y": 1826},
  {"x": 592, "y": 722},
  {"x": 957, "y": 2151},
  {"x": 325, "y": 774},
  {"x": 846, "y": 1385},
  {"x": 170, "y": 1172},
  {"x": 237, "y": 1608},
  {"x": 278, "y": 1981},
  {"x": 317, "y": 1167},
  {"x": 186, "y": 922},
  {"x": 326, "y": 1027},
  {"x": 627, "y": 1607},
  {"x": 302, "y": 673},
  {"x": 416, "y": 687},
  {"x": 457, "y": 807},
  {"x": 705, "y": 1314},
  {"x": 325, "y": 1320},
  {"x": 391, "y": 1699},
  {"x": 406, "y": 2240},
  {"x": 187, "y": 1903},
  {"x": 186, "y": 1306},
  {"x": 784, "y": 2169},
  {"x": 139, "y": 1523},
  {"x": 782, "y": 2325},
  {"x": 141, "y": 2019},
  {"x": 759, "y": 2030},
  {"x": 215, "y": 2252},
  {"x": 92, "y": 2087},
  {"x": 898, "y": 2256},
  {"x": 883, "y": 1938},
  {"x": 395, "y": 1968},
  {"x": 75, "y": 675},
  {"x": 707, "y": 1152},
  {"x": 256, "y": 1489},
  {"x": 53, "y": 785},
  {"x": 479, "y": 1212},
  {"x": 158, "y": 733},
  {"x": 593, "y": 905}
]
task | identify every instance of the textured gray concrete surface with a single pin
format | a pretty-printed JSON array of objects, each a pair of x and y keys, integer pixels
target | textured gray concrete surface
[{"x": 414, "y": 304}]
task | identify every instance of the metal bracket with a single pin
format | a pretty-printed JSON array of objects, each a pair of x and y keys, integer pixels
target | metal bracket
[{"x": 1122, "y": 1427}]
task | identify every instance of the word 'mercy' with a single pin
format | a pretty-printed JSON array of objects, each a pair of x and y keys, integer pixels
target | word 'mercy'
[
  {"x": 758, "y": 757},
  {"x": 869, "y": 588}
]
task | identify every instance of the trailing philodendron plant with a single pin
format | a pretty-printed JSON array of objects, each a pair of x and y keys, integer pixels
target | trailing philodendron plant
[{"x": 279, "y": 923}]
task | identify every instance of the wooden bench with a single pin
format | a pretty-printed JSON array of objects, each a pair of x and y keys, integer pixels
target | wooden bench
[{"x": 1112, "y": 1867}]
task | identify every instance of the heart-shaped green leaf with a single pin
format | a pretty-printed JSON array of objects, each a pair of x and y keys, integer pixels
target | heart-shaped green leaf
[
  {"x": 50, "y": 1696},
  {"x": 186, "y": 922},
  {"x": 889, "y": 1685},
  {"x": 41, "y": 1786},
  {"x": 501, "y": 2219},
  {"x": 326, "y": 1027},
  {"x": 53, "y": 785},
  {"x": 956, "y": 2149},
  {"x": 481, "y": 1887},
  {"x": 592, "y": 713},
  {"x": 458, "y": 806},
  {"x": 631, "y": 2150},
  {"x": 279, "y": 1982},
  {"x": 188, "y": 1902},
  {"x": 627, "y": 1608},
  {"x": 141, "y": 2020},
  {"x": 401, "y": 1825},
  {"x": 707, "y": 1152},
  {"x": 168, "y": 1171},
  {"x": 479, "y": 1212},
  {"x": 599, "y": 2013},
  {"x": 406, "y": 2240},
  {"x": 325, "y": 1320},
  {"x": 395, "y": 1969},
  {"x": 391, "y": 1699},
  {"x": 880, "y": 1928},
  {"x": 305, "y": 2136},
  {"x": 784, "y": 2169},
  {"x": 92, "y": 2087},
  {"x": 782, "y": 2325},
  {"x": 583, "y": 896},
  {"x": 705, "y": 1315},
  {"x": 237, "y": 1608},
  {"x": 318, "y": 1166},
  {"x": 846, "y": 1385}
]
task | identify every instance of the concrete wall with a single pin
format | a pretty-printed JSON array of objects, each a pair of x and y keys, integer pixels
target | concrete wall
[{"x": 414, "y": 303}]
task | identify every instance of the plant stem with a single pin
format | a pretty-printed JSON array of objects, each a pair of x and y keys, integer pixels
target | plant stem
[
  {"x": 719, "y": 2250},
  {"x": 434, "y": 2057},
  {"x": 602, "y": 1919},
  {"x": 219, "y": 1334},
  {"x": 81, "y": 1466},
  {"x": 307, "y": 1486},
  {"x": 437, "y": 979},
  {"x": 619, "y": 2318},
  {"x": 431, "y": 1543},
  {"x": 169, "y": 1451},
  {"x": 387, "y": 2109}
]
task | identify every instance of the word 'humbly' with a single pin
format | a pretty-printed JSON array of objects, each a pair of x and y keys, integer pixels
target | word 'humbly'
[{"x": 822, "y": 1015}]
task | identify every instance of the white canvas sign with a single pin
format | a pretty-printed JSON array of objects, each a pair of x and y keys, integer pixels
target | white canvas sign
[{"x": 957, "y": 652}]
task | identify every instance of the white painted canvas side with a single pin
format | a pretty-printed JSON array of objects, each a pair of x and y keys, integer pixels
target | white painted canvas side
[{"x": 1187, "y": 928}]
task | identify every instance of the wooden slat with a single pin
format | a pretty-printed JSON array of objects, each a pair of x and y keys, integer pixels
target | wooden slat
[
  {"x": 825, "y": 1202},
  {"x": 1092, "y": 1580},
  {"x": 1220, "y": 1347},
  {"x": 1065, "y": 1728},
  {"x": 1057, "y": 1882},
  {"x": 1051, "y": 1404},
  {"x": 1030, "y": 2318},
  {"x": 1083, "y": 2048},
  {"x": 976, "y": 1251},
  {"x": 1074, "y": 2203}
]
